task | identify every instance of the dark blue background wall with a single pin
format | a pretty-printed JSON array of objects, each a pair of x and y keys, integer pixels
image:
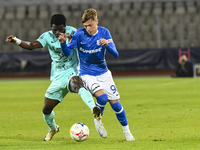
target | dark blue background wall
[{"x": 128, "y": 60}]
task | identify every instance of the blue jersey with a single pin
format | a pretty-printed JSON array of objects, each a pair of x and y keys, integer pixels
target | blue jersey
[{"x": 91, "y": 53}]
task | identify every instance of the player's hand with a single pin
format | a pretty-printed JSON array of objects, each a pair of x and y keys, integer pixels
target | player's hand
[
  {"x": 10, "y": 39},
  {"x": 69, "y": 36},
  {"x": 103, "y": 42},
  {"x": 62, "y": 37}
]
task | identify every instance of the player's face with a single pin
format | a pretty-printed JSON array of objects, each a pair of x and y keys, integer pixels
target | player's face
[
  {"x": 91, "y": 26},
  {"x": 57, "y": 29}
]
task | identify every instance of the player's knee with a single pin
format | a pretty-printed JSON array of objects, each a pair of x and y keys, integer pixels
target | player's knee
[
  {"x": 103, "y": 99},
  {"x": 75, "y": 84},
  {"x": 46, "y": 111},
  {"x": 113, "y": 101}
]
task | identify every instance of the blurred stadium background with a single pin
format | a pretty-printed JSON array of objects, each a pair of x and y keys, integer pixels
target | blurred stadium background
[{"x": 148, "y": 34}]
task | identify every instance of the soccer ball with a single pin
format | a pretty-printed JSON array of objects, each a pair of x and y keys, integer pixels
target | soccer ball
[{"x": 79, "y": 132}]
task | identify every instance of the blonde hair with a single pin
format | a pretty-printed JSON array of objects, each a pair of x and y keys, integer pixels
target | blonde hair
[{"x": 89, "y": 14}]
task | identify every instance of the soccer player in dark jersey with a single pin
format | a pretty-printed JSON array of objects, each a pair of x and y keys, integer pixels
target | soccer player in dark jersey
[{"x": 92, "y": 42}]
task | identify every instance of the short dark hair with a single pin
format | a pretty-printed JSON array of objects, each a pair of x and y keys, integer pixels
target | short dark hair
[{"x": 58, "y": 19}]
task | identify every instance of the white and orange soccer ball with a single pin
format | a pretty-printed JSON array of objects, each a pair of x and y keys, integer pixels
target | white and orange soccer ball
[{"x": 79, "y": 132}]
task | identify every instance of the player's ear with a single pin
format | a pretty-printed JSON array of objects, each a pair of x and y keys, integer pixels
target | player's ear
[{"x": 97, "y": 21}]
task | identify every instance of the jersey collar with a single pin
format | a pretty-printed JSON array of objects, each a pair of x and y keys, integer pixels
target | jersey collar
[{"x": 95, "y": 33}]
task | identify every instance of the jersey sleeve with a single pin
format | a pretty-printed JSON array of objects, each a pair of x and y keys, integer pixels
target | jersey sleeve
[
  {"x": 42, "y": 40},
  {"x": 68, "y": 48},
  {"x": 71, "y": 30},
  {"x": 111, "y": 48}
]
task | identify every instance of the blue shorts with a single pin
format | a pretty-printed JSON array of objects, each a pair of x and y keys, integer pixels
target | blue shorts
[{"x": 59, "y": 87}]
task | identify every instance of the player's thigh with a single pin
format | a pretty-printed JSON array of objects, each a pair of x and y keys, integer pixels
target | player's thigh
[
  {"x": 107, "y": 83},
  {"x": 91, "y": 83},
  {"x": 56, "y": 91},
  {"x": 99, "y": 93}
]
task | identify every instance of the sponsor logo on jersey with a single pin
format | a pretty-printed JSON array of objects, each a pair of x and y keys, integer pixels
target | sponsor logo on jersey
[
  {"x": 90, "y": 51},
  {"x": 63, "y": 61},
  {"x": 65, "y": 67},
  {"x": 56, "y": 49}
]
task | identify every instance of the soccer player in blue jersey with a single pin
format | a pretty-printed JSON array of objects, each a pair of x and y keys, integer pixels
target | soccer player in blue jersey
[
  {"x": 92, "y": 42},
  {"x": 63, "y": 71}
]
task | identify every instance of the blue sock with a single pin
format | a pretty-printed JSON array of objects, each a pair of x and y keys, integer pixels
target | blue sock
[
  {"x": 120, "y": 113},
  {"x": 49, "y": 119},
  {"x": 101, "y": 102},
  {"x": 86, "y": 97}
]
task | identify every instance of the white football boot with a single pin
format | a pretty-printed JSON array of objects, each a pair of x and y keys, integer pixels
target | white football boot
[
  {"x": 100, "y": 128},
  {"x": 129, "y": 136},
  {"x": 51, "y": 133}
]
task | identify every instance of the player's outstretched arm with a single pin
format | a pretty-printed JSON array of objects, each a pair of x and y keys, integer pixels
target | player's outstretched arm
[{"x": 24, "y": 44}]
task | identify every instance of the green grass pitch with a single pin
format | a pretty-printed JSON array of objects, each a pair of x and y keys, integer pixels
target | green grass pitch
[{"x": 163, "y": 114}]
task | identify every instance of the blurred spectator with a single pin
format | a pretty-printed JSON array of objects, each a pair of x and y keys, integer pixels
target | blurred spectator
[{"x": 184, "y": 68}]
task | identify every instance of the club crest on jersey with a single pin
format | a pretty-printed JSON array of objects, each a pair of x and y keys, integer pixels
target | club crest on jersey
[{"x": 98, "y": 42}]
